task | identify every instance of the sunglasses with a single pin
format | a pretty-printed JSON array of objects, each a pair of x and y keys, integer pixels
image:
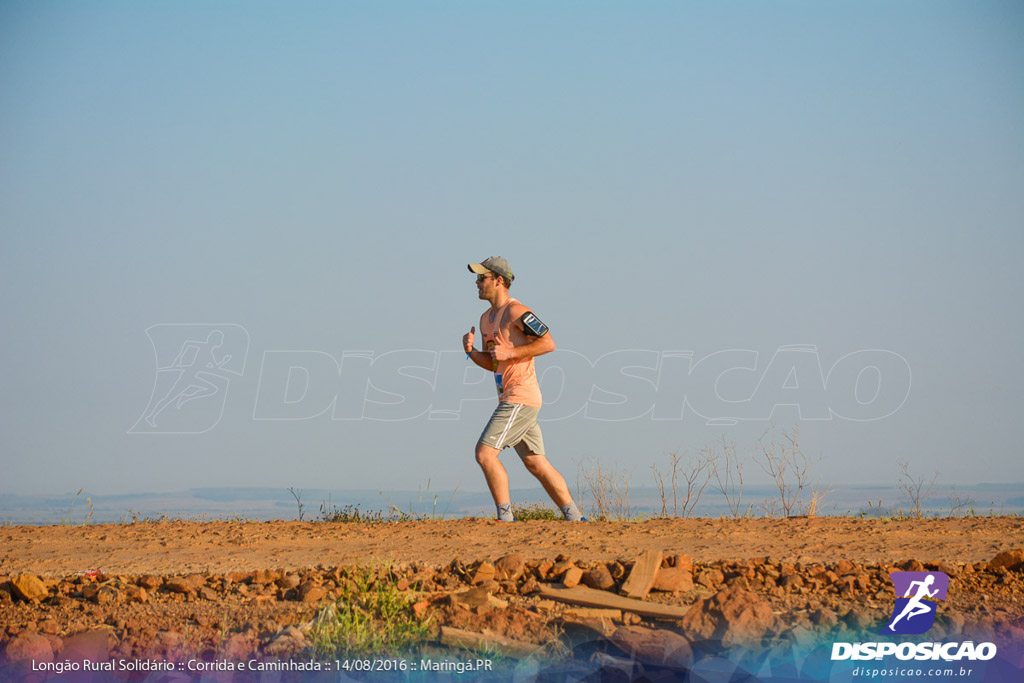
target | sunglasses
[{"x": 481, "y": 278}]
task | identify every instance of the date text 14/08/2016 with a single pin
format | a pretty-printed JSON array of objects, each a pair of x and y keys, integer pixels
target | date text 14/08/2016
[{"x": 414, "y": 665}]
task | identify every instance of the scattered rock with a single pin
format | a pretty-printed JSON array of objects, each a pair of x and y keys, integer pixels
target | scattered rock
[
  {"x": 29, "y": 587},
  {"x": 473, "y": 597},
  {"x": 237, "y": 647},
  {"x": 510, "y": 567},
  {"x": 599, "y": 577},
  {"x": 910, "y": 566},
  {"x": 168, "y": 644},
  {"x": 149, "y": 582},
  {"x": 615, "y": 668},
  {"x": 658, "y": 647},
  {"x": 560, "y": 568},
  {"x": 136, "y": 594},
  {"x": 684, "y": 562},
  {"x": 310, "y": 592},
  {"x": 734, "y": 615},
  {"x": 288, "y": 641},
  {"x": 29, "y": 647},
  {"x": 1010, "y": 559},
  {"x": 423, "y": 578},
  {"x": 240, "y": 577},
  {"x": 106, "y": 595},
  {"x": 485, "y": 571},
  {"x": 859, "y": 619},
  {"x": 673, "y": 580},
  {"x": 175, "y": 584},
  {"x": 825, "y": 618},
  {"x": 711, "y": 578},
  {"x": 288, "y": 581},
  {"x": 791, "y": 582},
  {"x": 265, "y": 576},
  {"x": 572, "y": 577}
]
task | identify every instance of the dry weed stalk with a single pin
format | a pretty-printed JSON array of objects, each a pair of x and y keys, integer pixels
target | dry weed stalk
[
  {"x": 659, "y": 481},
  {"x": 609, "y": 490},
  {"x": 958, "y": 505},
  {"x": 817, "y": 495},
  {"x": 916, "y": 490},
  {"x": 788, "y": 467},
  {"x": 696, "y": 472},
  {"x": 727, "y": 470},
  {"x": 298, "y": 501}
]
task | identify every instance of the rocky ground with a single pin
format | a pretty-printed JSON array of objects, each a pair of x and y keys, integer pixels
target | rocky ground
[{"x": 504, "y": 602}]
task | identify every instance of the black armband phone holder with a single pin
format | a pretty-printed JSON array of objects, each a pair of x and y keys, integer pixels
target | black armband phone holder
[{"x": 532, "y": 326}]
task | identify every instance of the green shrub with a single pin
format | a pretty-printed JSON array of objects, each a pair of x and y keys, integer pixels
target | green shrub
[
  {"x": 371, "y": 617},
  {"x": 534, "y": 511},
  {"x": 350, "y": 514}
]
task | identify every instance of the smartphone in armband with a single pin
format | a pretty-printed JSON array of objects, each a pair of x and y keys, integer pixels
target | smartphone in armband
[{"x": 532, "y": 326}]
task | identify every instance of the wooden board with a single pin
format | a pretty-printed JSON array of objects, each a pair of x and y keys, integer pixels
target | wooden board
[
  {"x": 590, "y": 597},
  {"x": 641, "y": 578},
  {"x": 457, "y": 637}
]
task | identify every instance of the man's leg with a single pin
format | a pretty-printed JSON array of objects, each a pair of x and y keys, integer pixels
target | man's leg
[
  {"x": 549, "y": 477},
  {"x": 496, "y": 476},
  {"x": 553, "y": 483}
]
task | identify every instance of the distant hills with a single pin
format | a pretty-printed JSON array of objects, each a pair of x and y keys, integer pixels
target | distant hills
[{"x": 269, "y": 503}]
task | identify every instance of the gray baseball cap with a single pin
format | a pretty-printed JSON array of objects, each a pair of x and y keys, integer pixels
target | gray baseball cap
[{"x": 494, "y": 264}]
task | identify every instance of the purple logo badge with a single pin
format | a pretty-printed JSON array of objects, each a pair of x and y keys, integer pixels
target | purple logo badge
[{"x": 917, "y": 595}]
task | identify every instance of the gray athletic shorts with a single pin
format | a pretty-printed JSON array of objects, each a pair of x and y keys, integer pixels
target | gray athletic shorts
[{"x": 513, "y": 424}]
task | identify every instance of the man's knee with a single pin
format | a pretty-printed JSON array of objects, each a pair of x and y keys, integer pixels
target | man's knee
[
  {"x": 535, "y": 464},
  {"x": 485, "y": 454}
]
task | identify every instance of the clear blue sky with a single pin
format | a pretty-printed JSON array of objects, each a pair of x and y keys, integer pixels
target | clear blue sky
[{"x": 662, "y": 176}]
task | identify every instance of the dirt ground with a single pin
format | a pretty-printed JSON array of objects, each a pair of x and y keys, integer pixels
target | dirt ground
[
  {"x": 183, "y": 547},
  {"x": 230, "y": 591}
]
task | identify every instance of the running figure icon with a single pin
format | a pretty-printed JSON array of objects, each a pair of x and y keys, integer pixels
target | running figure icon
[
  {"x": 915, "y": 606},
  {"x": 194, "y": 365},
  {"x": 195, "y": 362}
]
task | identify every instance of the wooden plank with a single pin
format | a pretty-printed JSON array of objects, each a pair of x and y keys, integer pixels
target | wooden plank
[
  {"x": 590, "y": 597},
  {"x": 592, "y": 613},
  {"x": 641, "y": 578},
  {"x": 470, "y": 640}
]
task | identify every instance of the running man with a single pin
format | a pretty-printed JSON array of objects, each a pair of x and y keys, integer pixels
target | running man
[
  {"x": 512, "y": 337},
  {"x": 914, "y": 606}
]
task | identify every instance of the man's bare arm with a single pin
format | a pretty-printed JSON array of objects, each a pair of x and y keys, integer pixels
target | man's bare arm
[
  {"x": 538, "y": 347},
  {"x": 482, "y": 359}
]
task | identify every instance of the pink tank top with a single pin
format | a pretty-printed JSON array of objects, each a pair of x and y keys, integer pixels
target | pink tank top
[{"x": 516, "y": 381}]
